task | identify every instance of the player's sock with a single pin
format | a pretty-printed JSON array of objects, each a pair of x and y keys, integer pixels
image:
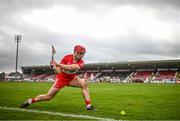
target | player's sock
[
  {"x": 32, "y": 101},
  {"x": 88, "y": 103}
]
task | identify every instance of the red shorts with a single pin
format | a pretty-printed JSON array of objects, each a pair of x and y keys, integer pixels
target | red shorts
[{"x": 60, "y": 82}]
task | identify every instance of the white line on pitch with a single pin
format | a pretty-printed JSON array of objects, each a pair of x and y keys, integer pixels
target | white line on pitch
[{"x": 54, "y": 113}]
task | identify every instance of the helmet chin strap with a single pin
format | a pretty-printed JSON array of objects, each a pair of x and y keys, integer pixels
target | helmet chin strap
[{"x": 75, "y": 59}]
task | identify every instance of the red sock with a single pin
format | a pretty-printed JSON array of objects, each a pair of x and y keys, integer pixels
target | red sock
[
  {"x": 88, "y": 103},
  {"x": 33, "y": 100}
]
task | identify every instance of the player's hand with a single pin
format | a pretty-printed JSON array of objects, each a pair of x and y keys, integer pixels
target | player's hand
[
  {"x": 52, "y": 63},
  {"x": 57, "y": 69}
]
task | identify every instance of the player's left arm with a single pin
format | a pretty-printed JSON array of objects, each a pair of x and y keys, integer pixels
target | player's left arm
[
  {"x": 69, "y": 67},
  {"x": 75, "y": 66}
]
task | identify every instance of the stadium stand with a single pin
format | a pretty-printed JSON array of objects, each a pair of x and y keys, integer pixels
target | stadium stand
[
  {"x": 13, "y": 76},
  {"x": 160, "y": 71},
  {"x": 38, "y": 73}
]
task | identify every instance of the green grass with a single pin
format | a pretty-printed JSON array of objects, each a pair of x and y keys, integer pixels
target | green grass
[{"x": 139, "y": 101}]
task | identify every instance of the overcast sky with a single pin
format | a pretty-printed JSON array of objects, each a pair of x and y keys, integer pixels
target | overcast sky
[{"x": 111, "y": 30}]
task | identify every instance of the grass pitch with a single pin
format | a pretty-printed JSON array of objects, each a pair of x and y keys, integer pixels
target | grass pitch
[{"x": 139, "y": 101}]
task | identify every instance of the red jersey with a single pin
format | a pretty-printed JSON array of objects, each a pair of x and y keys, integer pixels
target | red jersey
[{"x": 69, "y": 74}]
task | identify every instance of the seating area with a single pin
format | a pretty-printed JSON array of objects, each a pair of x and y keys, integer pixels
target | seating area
[
  {"x": 111, "y": 76},
  {"x": 164, "y": 77},
  {"x": 136, "y": 77},
  {"x": 122, "y": 74},
  {"x": 142, "y": 75},
  {"x": 39, "y": 77}
]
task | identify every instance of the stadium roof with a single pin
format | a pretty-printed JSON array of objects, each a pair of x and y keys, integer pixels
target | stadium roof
[{"x": 133, "y": 65}]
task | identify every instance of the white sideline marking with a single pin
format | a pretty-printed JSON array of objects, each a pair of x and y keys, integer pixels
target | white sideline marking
[{"x": 54, "y": 113}]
